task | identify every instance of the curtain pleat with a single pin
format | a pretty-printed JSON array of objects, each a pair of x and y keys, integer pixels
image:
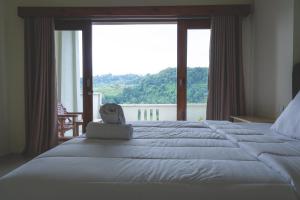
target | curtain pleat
[
  {"x": 40, "y": 86},
  {"x": 226, "y": 95}
]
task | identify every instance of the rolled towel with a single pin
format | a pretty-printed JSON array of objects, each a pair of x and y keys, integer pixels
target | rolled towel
[
  {"x": 96, "y": 130},
  {"x": 112, "y": 113}
]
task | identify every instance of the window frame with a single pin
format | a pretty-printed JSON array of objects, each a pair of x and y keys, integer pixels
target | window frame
[
  {"x": 182, "y": 29},
  {"x": 87, "y": 87},
  {"x": 86, "y": 27}
]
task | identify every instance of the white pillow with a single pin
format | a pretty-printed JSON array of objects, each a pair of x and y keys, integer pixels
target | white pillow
[{"x": 288, "y": 123}]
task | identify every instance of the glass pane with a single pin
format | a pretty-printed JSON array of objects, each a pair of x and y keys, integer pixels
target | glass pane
[
  {"x": 68, "y": 52},
  {"x": 135, "y": 66},
  {"x": 197, "y": 73}
]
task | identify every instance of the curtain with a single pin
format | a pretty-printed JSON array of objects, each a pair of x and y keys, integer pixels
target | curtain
[
  {"x": 40, "y": 86},
  {"x": 226, "y": 79}
]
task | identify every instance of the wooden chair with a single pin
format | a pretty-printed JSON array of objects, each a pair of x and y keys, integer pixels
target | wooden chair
[{"x": 67, "y": 121}]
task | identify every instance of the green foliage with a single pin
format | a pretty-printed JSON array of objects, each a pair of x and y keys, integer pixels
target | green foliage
[
  {"x": 109, "y": 79},
  {"x": 157, "y": 88}
]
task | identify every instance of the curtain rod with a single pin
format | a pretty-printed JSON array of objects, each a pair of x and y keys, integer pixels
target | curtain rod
[{"x": 136, "y": 11}]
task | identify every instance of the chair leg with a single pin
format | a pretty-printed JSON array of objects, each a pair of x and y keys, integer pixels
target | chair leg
[
  {"x": 74, "y": 119},
  {"x": 61, "y": 132},
  {"x": 75, "y": 131}
]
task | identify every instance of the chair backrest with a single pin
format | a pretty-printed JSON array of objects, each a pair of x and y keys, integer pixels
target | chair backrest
[{"x": 61, "y": 110}]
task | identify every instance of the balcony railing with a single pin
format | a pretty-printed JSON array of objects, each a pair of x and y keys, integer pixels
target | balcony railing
[
  {"x": 161, "y": 112},
  {"x": 148, "y": 112},
  {"x": 153, "y": 112}
]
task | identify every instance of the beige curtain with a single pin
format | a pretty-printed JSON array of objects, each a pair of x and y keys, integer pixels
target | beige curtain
[
  {"x": 40, "y": 86},
  {"x": 226, "y": 80}
]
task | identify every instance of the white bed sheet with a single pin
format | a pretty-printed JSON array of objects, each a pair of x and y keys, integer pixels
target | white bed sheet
[
  {"x": 287, "y": 166},
  {"x": 193, "y": 161}
]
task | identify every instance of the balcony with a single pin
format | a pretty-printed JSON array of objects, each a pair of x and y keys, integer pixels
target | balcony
[
  {"x": 147, "y": 112},
  {"x": 161, "y": 112},
  {"x": 151, "y": 112}
]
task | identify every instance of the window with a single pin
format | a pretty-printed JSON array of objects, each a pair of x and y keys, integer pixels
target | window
[
  {"x": 72, "y": 52},
  {"x": 197, "y": 73},
  {"x": 134, "y": 65},
  {"x": 156, "y": 71}
]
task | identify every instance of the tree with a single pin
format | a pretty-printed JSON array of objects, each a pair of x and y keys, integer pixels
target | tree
[{"x": 157, "y": 88}]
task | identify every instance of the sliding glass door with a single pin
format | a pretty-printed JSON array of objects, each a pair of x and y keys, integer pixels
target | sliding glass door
[
  {"x": 74, "y": 85},
  {"x": 193, "y": 62},
  {"x": 134, "y": 65},
  {"x": 197, "y": 73},
  {"x": 155, "y": 71}
]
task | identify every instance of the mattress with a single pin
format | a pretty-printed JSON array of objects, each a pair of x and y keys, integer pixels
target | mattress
[{"x": 165, "y": 160}]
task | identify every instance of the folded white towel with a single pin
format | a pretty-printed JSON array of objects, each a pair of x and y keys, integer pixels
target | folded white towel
[
  {"x": 112, "y": 113},
  {"x": 96, "y": 130}
]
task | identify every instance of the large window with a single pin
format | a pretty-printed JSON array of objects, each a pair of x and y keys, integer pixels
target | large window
[
  {"x": 68, "y": 53},
  {"x": 74, "y": 94},
  {"x": 134, "y": 65},
  {"x": 155, "y": 71},
  {"x": 197, "y": 73}
]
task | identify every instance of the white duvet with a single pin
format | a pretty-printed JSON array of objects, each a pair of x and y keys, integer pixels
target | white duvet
[{"x": 192, "y": 161}]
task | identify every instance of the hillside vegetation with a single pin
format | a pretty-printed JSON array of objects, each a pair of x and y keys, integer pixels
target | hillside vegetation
[{"x": 157, "y": 88}]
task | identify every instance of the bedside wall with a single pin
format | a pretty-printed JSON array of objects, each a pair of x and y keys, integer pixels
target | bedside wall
[
  {"x": 4, "y": 138},
  {"x": 273, "y": 55}
]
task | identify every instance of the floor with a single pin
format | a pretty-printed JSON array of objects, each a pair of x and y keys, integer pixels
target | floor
[{"x": 11, "y": 162}]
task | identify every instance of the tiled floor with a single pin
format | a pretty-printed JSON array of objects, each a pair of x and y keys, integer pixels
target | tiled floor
[{"x": 11, "y": 162}]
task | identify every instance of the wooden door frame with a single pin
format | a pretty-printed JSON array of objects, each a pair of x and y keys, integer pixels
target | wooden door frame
[
  {"x": 86, "y": 27},
  {"x": 182, "y": 28}
]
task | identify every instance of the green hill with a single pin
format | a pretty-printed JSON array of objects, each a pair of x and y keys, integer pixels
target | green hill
[{"x": 157, "y": 88}]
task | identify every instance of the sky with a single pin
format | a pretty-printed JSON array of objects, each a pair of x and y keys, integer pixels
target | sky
[{"x": 144, "y": 48}]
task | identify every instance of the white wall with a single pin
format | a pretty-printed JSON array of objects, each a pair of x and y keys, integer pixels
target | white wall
[
  {"x": 4, "y": 139},
  {"x": 273, "y": 55}
]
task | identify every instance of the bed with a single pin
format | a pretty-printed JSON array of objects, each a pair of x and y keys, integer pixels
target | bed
[
  {"x": 165, "y": 160},
  {"x": 207, "y": 160}
]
